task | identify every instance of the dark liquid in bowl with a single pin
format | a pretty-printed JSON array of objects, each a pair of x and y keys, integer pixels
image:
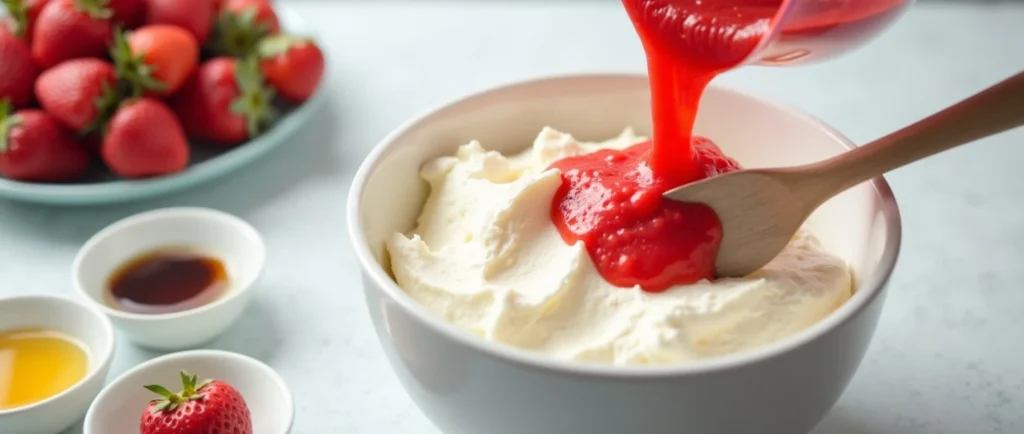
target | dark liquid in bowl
[{"x": 166, "y": 281}]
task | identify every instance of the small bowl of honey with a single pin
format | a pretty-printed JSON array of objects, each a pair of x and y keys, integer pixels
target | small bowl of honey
[
  {"x": 172, "y": 278},
  {"x": 54, "y": 357}
]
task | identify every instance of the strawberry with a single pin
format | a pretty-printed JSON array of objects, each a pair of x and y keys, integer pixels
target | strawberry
[
  {"x": 142, "y": 139},
  {"x": 35, "y": 148},
  {"x": 22, "y": 16},
  {"x": 80, "y": 93},
  {"x": 292, "y": 66},
  {"x": 127, "y": 12},
  {"x": 241, "y": 24},
  {"x": 204, "y": 408},
  {"x": 225, "y": 102},
  {"x": 157, "y": 58},
  {"x": 196, "y": 16},
  {"x": 17, "y": 71},
  {"x": 263, "y": 12},
  {"x": 69, "y": 29}
]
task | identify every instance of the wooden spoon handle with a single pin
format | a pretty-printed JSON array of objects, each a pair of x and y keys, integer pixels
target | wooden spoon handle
[{"x": 991, "y": 111}]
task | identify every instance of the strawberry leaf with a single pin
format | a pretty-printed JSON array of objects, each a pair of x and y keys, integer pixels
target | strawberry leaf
[
  {"x": 188, "y": 388},
  {"x": 162, "y": 405},
  {"x": 159, "y": 390},
  {"x": 238, "y": 34},
  {"x": 203, "y": 384}
]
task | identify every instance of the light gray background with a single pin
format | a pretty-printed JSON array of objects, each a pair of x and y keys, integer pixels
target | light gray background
[{"x": 947, "y": 358}]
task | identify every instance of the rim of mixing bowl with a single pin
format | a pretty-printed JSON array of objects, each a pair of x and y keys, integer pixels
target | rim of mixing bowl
[{"x": 871, "y": 288}]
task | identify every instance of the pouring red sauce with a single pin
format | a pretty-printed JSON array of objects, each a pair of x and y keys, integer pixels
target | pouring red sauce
[{"x": 611, "y": 200}]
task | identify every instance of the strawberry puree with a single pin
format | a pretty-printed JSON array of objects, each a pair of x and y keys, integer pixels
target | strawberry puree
[{"x": 612, "y": 201}]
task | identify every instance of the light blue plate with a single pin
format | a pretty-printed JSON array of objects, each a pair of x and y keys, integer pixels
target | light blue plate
[{"x": 202, "y": 168}]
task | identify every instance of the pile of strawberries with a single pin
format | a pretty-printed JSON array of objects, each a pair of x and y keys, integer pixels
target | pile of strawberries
[{"x": 127, "y": 82}]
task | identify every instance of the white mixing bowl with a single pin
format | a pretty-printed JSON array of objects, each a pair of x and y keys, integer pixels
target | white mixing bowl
[{"x": 467, "y": 385}]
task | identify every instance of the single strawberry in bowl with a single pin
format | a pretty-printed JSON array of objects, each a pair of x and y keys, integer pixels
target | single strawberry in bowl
[
  {"x": 17, "y": 70},
  {"x": 226, "y": 102},
  {"x": 241, "y": 24},
  {"x": 22, "y": 16},
  {"x": 80, "y": 93},
  {"x": 292, "y": 66},
  {"x": 69, "y": 29},
  {"x": 204, "y": 408},
  {"x": 195, "y": 16},
  {"x": 155, "y": 58},
  {"x": 34, "y": 147},
  {"x": 144, "y": 139}
]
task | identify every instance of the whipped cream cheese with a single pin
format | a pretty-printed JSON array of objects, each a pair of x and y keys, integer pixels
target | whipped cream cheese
[{"x": 486, "y": 257}]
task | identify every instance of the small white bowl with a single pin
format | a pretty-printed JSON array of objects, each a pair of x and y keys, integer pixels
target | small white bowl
[
  {"x": 229, "y": 238},
  {"x": 90, "y": 328},
  {"x": 468, "y": 385},
  {"x": 118, "y": 409}
]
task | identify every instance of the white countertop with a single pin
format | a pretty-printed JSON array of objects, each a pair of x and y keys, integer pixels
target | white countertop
[{"x": 948, "y": 357}]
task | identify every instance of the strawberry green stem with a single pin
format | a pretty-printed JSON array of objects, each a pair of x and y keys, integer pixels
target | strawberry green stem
[
  {"x": 95, "y": 9},
  {"x": 275, "y": 45},
  {"x": 237, "y": 34},
  {"x": 170, "y": 401},
  {"x": 19, "y": 11},
  {"x": 132, "y": 68},
  {"x": 8, "y": 120},
  {"x": 108, "y": 102},
  {"x": 255, "y": 101}
]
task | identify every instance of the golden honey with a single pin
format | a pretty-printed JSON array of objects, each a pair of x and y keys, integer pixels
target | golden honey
[{"x": 37, "y": 364}]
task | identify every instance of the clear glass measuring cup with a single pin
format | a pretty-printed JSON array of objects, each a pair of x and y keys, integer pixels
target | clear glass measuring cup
[{"x": 809, "y": 31}]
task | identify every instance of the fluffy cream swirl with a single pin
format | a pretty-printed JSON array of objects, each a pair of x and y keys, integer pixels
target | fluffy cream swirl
[{"x": 485, "y": 257}]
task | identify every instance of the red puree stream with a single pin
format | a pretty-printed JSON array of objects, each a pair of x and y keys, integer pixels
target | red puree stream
[{"x": 611, "y": 200}]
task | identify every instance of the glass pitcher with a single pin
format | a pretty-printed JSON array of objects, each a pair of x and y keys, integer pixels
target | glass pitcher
[{"x": 809, "y": 31}]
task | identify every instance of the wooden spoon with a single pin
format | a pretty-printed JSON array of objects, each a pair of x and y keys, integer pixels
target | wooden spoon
[{"x": 761, "y": 209}]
